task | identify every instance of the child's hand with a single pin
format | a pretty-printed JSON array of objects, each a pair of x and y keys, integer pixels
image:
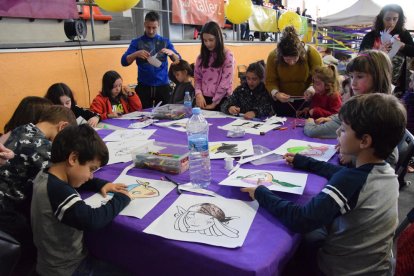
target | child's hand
[
  {"x": 210, "y": 106},
  {"x": 249, "y": 115},
  {"x": 311, "y": 112},
  {"x": 234, "y": 110},
  {"x": 289, "y": 158},
  {"x": 302, "y": 112},
  {"x": 308, "y": 94},
  {"x": 93, "y": 122},
  {"x": 250, "y": 190},
  {"x": 112, "y": 187},
  {"x": 322, "y": 120},
  {"x": 114, "y": 115},
  {"x": 310, "y": 121},
  {"x": 127, "y": 92},
  {"x": 5, "y": 154},
  {"x": 200, "y": 101}
]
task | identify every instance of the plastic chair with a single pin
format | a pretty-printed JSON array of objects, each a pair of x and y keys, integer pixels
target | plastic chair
[
  {"x": 405, "y": 152},
  {"x": 97, "y": 14}
]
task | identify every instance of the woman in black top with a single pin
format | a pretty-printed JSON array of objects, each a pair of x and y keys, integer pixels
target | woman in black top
[{"x": 391, "y": 19}]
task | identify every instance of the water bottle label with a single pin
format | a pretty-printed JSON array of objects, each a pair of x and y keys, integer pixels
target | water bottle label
[{"x": 198, "y": 144}]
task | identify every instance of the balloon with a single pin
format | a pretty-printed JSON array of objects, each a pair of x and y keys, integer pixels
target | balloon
[
  {"x": 116, "y": 5},
  {"x": 290, "y": 18},
  {"x": 238, "y": 11},
  {"x": 307, "y": 38}
]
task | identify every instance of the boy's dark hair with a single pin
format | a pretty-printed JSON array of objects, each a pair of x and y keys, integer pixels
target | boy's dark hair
[
  {"x": 214, "y": 29},
  {"x": 58, "y": 90},
  {"x": 84, "y": 141},
  {"x": 379, "y": 115},
  {"x": 256, "y": 68},
  {"x": 28, "y": 111},
  {"x": 58, "y": 113},
  {"x": 182, "y": 65},
  {"x": 108, "y": 80},
  {"x": 152, "y": 16}
]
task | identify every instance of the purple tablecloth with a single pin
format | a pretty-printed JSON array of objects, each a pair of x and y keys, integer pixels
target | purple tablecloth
[{"x": 268, "y": 245}]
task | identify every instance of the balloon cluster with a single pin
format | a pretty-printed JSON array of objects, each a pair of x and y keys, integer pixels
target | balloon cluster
[
  {"x": 238, "y": 11},
  {"x": 116, "y": 5}
]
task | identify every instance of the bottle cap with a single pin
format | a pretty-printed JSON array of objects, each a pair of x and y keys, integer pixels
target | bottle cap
[{"x": 196, "y": 110}]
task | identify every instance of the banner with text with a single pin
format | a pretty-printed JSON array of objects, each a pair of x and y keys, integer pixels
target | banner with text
[
  {"x": 56, "y": 9},
  {"x": 263, "y": 19},
  {"x": 197, "y": 12}
]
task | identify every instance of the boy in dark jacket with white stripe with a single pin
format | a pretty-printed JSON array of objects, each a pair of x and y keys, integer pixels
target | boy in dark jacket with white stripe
[
  {"x": 358, "y": 206},
  {"x": 59, "y": 215}
]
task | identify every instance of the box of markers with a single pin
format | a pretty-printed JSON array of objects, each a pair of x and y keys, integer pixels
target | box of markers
[
  {"x": 169, "y": 111},
  {"x": 165, "y": 157}
]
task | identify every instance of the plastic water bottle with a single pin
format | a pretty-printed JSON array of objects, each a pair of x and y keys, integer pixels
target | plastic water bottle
[
  {"x": 188, "y": 103},
  {"x": 197, "y": 133}
]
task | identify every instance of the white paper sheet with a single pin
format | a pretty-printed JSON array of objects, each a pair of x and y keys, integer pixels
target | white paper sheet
[
  {"x": 319, "y": 151},
  {"x": 252, "y": 127},
  {"x": 125, "y": 134},
  {"x": 210, "y": 220},
  {"x": 179, "y": 125},
  {"x": 293, "y": 183},
  {"x": 121, "y": 151},
  {"x": 223, "y": 149},
  {"x": 134, "y": 115},
  {"x": 147, "y": 194}
]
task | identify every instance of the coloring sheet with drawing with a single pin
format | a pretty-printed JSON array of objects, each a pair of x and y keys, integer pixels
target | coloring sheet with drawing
[
  {"x": 136, "y": 115},
  {"x": 122, "y": 151},
  {"x": 293, "y": 183},
  {"x": 179, "y": 125},
  {"x": 146, "y": 194},
  {"x": 252, "y": 127},
  {"x": 214, "y": 114},
  {"x": 223, "y": 149},
  {"x": 211, "y": 220},
  {"x": 319, "y": 151},
  {"x": 125, "y": 134}
]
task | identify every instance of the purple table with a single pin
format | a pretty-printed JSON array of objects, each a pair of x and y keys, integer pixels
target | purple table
[{"x": 268, "y": 245}]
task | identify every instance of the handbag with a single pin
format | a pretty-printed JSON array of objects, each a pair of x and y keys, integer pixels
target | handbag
[{"x": 397, "y": 68}]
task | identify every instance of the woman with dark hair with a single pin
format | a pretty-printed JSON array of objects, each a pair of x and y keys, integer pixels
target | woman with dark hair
[
  {"x": 114, "y": 99},
  {"x": 213, "y": 71},
  {"x": 288, "y": 72},
  {"x": 61, "y": 94},
  {"x": 391, "y": 19}
]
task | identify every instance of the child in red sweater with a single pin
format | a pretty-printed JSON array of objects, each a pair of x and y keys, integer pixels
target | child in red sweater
[
  {"x": 114, "y": 99},
  {"x": 327, "y": 100}
]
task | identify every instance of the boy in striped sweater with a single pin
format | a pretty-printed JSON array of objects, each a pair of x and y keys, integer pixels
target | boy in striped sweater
[
  {"x": 356, "y": 212},
  {"x": 59, "y": 215}
]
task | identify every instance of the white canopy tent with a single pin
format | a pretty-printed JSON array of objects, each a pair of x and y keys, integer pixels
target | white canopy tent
[{"x": 363, "y": 12}]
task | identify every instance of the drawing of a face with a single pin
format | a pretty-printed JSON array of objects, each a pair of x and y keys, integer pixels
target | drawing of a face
[
  {"x": 263, "y": 178},
  {"x": 309, "y": 150},
  {"x": 198, "y": 221},
  {"x": 266, "y": 179},
  {"x": 142, "y": 190},
  {"x": 205, "y": 218}
]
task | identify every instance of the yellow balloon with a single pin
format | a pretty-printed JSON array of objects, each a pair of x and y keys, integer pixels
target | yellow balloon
[
  {"x": 290, "y": 18},
  {"x": 238, "y": 11},
  {"x": 308, "y": 36},
  {"x": 116, "y": 5}
]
